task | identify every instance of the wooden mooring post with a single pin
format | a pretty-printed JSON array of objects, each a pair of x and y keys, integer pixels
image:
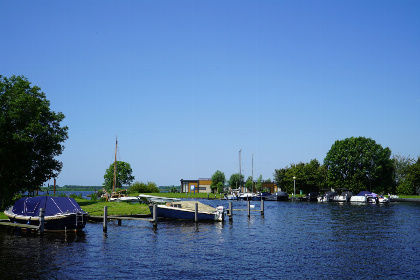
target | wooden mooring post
[
  {"x": 155, "y": 216},
  {"x": 196, "y": 213},
  {"x": 230, "y": 210},
  {"x": 249, "y": 208},
  {"x": 105, "y": 224},
  {"x": 41, "y": 220},
  {"x": 262, "y": 207}
]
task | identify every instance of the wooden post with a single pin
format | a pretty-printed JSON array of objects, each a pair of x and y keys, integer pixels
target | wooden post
[
  {"x": 249, "y": 208},
  {"x": 230, "y": 210},
  {"x": 105, "y": 224},
  {"x": 196, "y": 212},
  {"x": 155, "y": 216},
  {"x": 119, "y": 222},
  {"x": 262, "y": 207},
  {"x": 41, "y": 220}
]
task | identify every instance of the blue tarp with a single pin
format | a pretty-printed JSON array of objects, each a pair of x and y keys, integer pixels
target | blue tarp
[
  {"x": 29, "y": 206},
  {"x": 363, "y": 193}
]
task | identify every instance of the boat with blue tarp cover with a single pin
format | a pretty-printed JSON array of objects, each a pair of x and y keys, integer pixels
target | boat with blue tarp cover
[{"x": 61, "y": 213}]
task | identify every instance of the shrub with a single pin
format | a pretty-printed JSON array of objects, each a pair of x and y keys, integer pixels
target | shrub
[{"x": 140, "y": 187}]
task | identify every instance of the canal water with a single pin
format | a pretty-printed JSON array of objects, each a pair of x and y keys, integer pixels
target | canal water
[{"x": 293, "y": 240}]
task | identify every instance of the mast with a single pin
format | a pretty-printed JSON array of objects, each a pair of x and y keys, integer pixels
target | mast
[
  {"x": 252, "y": 174},
  {"x": 115, "y": 166},
  {"x": 240, "y": 184}
]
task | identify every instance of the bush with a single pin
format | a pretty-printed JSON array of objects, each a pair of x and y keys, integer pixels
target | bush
[
  {"x": 140, "y": 187},
  {"x": 405, "y": 187}
]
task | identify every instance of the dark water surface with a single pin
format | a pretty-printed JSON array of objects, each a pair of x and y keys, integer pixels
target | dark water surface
[{"x": 293, "y": 240}]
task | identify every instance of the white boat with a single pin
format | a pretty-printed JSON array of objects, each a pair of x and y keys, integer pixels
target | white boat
[
  {"x": 156, "y": 199},
  {"x": 185, "y": 210},
  {"x": 344, "y": 196},
  {"x": 247, "y": 196},
  {"x": 383, "y": 199},
  {"x": 362, "y": 196}
]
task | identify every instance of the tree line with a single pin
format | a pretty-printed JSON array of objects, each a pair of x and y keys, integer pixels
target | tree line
[{"x": 31, "y": 137}]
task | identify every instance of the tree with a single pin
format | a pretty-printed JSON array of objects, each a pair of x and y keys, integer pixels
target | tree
[
  {"x": 258, "y": 185},
  {"x": 123, "y": 175},
  {"x": 359, "y": 164},
  {"x": 413, "y": 175},
  {"x": 401, "y": 172},
  {"x": 140, "y": 187},
  {"x": 234, "y": 181},
  {"x": 249, "y": 183},
  {"x": 218, "y": 177},
  {"x": 30, "y": 138}
]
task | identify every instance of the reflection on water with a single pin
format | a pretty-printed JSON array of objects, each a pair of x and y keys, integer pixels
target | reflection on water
[{"x": 292, "y": 240}]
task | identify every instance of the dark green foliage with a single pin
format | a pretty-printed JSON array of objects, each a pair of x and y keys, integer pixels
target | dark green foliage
[
  {"x": 140, "y": 187},
  {"x": 124, "y": 175},
  {"x": 309, "y": 177},
  {"x": 218, "y": 177},
  {"x": 359, "y": 164},
  {"x": 234, "y": 181},
  {"x": 30, "y": 138}
]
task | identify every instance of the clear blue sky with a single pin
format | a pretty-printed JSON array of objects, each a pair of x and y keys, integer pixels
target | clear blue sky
[{"x": 186, "y": 84}]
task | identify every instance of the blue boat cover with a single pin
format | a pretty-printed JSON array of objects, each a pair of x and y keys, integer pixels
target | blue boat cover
[
  {"x": 29, "y": 206},
  {"x": 363, "y": 193}
]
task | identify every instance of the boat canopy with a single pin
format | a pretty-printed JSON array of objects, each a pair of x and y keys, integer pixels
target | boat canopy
[
  {"x": 29, "y": 206},
  {"x": 363, "y": 193}
]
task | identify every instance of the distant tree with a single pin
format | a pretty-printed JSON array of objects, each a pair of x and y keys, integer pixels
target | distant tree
[
  {"x": 401, "y": 171},
  {"x": 140, "y": 187},
  {"x": 235, "y": 182},
  {"x": 218, "y": 177},
  {"x": 30, "y": 138},
  {"x": 249, "y": 183},
  {"x": 258, "y": 185},
  {"x": 124, "y": 175},
  {"x": 359, "y": 164},
  {"x": 413, "y": 175}
]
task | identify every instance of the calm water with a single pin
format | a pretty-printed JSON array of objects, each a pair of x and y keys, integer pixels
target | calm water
[{"x": 293, "y": 240}]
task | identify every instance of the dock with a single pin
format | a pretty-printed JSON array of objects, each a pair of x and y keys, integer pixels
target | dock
[{"x": 8, "y": 224}]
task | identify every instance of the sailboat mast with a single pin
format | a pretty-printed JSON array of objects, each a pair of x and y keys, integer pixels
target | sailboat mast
[
  {"x": 115, "y": 166},
  {"x": 240, "y": 183}
]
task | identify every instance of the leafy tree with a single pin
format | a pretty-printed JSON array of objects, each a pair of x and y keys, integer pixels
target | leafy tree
[
  {"x": 359, "y": 164},
  {"x": 30, "y": 138},
  {"x": 413, "y": 175},
  {"x": 258, "y": 185},
  {"x": 218, "y": 177},
  {"x": 220, "y": 187},
  {"x": 249, "y": 183},
  {"x": 235, "y": 182},
  {"x": 401, "y": 171},
  {"x": 123, "y": 175},
  {"x": 140, "y": 187},
  {"x": 309, "y": 177}
]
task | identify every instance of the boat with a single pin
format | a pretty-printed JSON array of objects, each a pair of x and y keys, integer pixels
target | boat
[
  {"x": 278, "y": 196},
  {"x": 185, "y": 210},
  {"x": 383, "y": 199},
  {"x": 362, "y": 196},
  {"x": 259, "y": 196},
  {"x": 344, "y": 196},
  {"x": 312, "y": 196},
  {"x": 156, "y": 199},
  {"x": 327, "y": 196},
  {"x": 246, "y": 196},
  {"x": 61, "y": 213}
]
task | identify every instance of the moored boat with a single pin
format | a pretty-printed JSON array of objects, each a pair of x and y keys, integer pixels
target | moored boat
[
  {"x": 61, "y": 213},
  {"x": 185, "y": 210}
]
